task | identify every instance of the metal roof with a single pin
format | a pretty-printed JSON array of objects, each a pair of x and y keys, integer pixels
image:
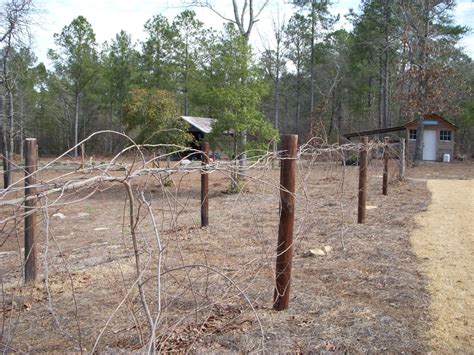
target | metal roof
[
  {"x": 204, "y": 124},
  {"x": 373, "y": 131}
]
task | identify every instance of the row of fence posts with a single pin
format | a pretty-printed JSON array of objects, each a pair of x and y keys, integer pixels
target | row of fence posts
[
  {"x": 287, "y": 215},
  {"x": 363, "y": 165},
  {"x": 287, "y": 205}
]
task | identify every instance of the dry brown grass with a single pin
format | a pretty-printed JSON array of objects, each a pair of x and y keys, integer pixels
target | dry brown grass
[
  {"x": 444, "y": 241},
  {"x": 367, "y": 294}
]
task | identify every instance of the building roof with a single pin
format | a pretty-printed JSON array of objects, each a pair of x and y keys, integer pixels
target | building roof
[
  {"x": 203, "y": 124},
  {"x": 432, "y": 116},
  {"x": 373, "y": 131}
]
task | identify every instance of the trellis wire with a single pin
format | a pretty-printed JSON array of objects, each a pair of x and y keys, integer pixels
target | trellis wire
[{"x": 136, "y": 172}]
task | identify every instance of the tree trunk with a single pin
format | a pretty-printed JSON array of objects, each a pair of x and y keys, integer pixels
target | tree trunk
[
  {"x": 386, "y": 70},
  {"x": 313, "y": 33},
  {"x": 419, "y": 140},
  {"x": 243, "y": 155},
  {"x": 8, "y": 143},
  {"x": 21, "y": 120},
  {"x": 298, "y": 97},
  {"x": 422, "y": 81},
  {"x": 277, "y": 94},
  {"x": 3, "y": 150},
  {"x": 10, "y": 134},
  {"x": 67, "y": 131},
  {"x": 76, "y": 126},
  {"x": 186, "y": 70},
  {"x": 234, "y": 176},
  {"x": 381, "y": 90},
  {"x": 110, "y": 147},
  {"x": 339, "y": 118},
  {"x": 369, "y": 95},
  {"x": 401, "y": 109},
  {"x": 386, "y": 98},
  {"x": 22, "y": 137},
  {"x": 333, "y": 104}
]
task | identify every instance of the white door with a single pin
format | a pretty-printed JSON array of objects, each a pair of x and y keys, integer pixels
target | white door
[{"x": 429, "y": 144}]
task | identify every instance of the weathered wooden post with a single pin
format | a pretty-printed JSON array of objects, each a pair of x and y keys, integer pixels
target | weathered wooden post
[
  {"x": 402, "y": 159},
  {"x": 385, "y": 167},
  {"x": 31, "y": 161},
  {"x": 205, "y": 186},
  {"x": 287, "y": 218},
  {"x": 363, "y": 164}
]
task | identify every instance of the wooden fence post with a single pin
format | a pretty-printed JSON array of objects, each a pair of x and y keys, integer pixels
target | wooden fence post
[
  {"x": 402, "y": 159},
  {"x": 385, "y": 167},
  {"x": 31, "y": 161},
  {"x": 205, "y": 187},
  {"x": 363, "y": 164},
  {"x": 287, "y": 218}
]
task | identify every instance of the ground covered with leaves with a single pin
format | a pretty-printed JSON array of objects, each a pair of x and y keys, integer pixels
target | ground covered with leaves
[{"x": 214, "y": 292}]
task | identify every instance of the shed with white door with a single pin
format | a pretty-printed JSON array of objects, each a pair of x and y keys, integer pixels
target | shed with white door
[{"x": 438, "y": 137}]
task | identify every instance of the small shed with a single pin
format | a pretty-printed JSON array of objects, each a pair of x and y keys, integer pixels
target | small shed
[
  {"x": 438, "y": 137},
  {"x": 199, "y": 126}
]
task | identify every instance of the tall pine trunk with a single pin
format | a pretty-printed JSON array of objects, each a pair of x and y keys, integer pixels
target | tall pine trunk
[
  {"x": 422, "y": 80},
  {"x": 381, "y": 95},
  {"x": 298, "y": 97},
  {"x": 22, "y": 126},
  {"x": 186, "y": 74},
  {"x": 9, "y": 131},
  {"x": 76, "y": 126},
  {"x": 313, "y": 33},
  {"x": 277, "y": 92},
  {"x": 11, "y": 126},
  {"x": 386, "y": 69},
  {"x": 3, "y": 150}
]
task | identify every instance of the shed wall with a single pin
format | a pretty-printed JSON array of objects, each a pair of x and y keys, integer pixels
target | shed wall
[{"x": 442, "y": 147}]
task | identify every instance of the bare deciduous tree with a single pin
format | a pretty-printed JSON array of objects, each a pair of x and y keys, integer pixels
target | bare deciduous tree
[
  {"x": 275, "y": 65},
  {"x": 244, "y": 16},
  {"x": 428, "y": 32}
]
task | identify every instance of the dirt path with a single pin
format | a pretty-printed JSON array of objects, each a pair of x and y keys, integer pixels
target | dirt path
[{"x": 444, "y": 241}]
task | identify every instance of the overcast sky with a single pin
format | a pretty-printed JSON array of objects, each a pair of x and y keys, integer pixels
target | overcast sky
[{"x": 108, "y": 17}]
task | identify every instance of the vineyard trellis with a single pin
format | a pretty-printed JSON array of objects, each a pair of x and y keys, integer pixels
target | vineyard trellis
[{"x": 164, "y": 279}]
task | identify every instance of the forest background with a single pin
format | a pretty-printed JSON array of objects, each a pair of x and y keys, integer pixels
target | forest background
[{"x": 308, "y": 75}]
